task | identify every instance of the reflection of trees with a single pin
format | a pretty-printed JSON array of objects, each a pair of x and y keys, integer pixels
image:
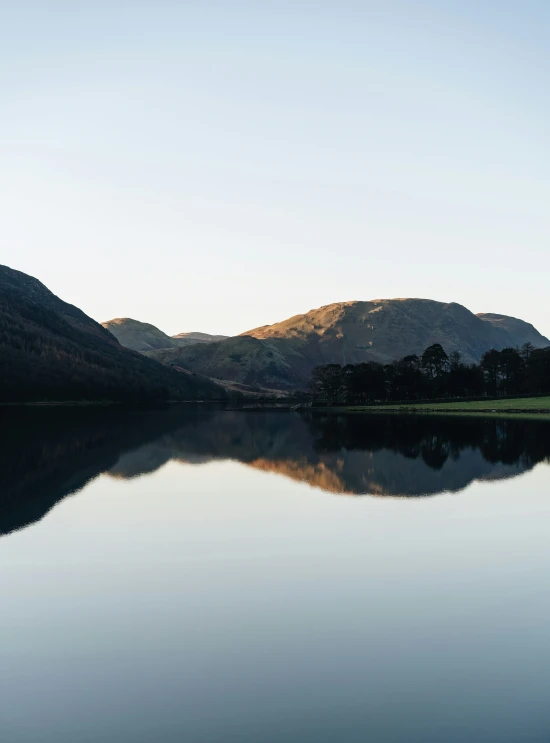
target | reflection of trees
[
  {"x": 48, "y": 454},
  {"x": 434, "y": 438},
  {"x": 435, "y": 452}
]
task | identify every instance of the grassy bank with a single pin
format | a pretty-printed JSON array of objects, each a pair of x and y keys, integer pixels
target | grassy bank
[{"x": 522, "y": 405}]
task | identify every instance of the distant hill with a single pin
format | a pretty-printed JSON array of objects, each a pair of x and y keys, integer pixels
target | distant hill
[
  {"x": 139, "y": 336},
  {"x": 189, "y": 338},
  {"x": 143, "y": 337},
  {"x": 283, "y": 355},
  {"x": 50, "y": 350}
]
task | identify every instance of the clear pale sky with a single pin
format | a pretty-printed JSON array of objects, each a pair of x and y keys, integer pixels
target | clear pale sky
[{"x": 216, "y": 166}]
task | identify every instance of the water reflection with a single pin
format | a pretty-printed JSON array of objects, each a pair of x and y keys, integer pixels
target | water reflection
[{"x": 46, "y": 455}]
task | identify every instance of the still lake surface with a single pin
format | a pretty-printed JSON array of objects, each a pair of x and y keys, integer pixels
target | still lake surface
[{"x": 227, "y": 577}]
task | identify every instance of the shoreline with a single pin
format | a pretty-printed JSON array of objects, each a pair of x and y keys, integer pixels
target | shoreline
[{"x": 394, "y": 410}]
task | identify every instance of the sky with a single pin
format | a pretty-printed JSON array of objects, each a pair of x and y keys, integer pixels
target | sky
[{"x": 216, "y": 166}]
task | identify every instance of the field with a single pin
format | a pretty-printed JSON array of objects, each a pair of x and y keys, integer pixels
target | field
[{"x": 517, "y": 405}]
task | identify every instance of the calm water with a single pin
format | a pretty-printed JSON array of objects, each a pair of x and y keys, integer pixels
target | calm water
[{"x": 223, "y": 577}]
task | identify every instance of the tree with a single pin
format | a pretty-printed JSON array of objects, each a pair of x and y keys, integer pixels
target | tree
[
  {"x": 410, "y": 362},
  {"x": 537, "y": 371},
  {"x": 408, "y": 381},
  {"x": 327, "y": 381},
  {"x": 454, "y": 360},
  {"x": 511, "y": 367},
  {"x": 364, "y": 382},
  {"x": 526, "y": 351},
  {"x": 490, "y": 363},
  {"x": 434, "y": 361},
  {"x": 510, "y": 371}
]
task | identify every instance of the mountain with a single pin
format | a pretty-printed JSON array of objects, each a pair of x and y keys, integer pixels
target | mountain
[
  {"x": 139, "y": 336},
  {"x": 518, "y": 331},
  {"x": 283, "y": 355},
  {"x": 50, "y": 350},
  {"x": 143, "y": 337}
]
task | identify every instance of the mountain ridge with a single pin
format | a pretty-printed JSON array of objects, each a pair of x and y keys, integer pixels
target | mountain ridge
[
  {"x": 48, "y": 344},
  {"x": 284, "y": 354}
]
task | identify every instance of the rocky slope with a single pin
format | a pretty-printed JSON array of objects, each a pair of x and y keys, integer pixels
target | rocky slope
[
  {"x": 50, "y": 350},
  {"x": 518, "y": 331},
  {"x": 283, "y": 355},
  {"x": 144, "y": 337}
]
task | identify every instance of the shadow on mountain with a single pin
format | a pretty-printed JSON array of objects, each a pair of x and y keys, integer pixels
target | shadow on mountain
[{"x": 47, "y": 454}]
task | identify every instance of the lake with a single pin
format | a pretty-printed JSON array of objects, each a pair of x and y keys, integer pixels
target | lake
[{"x": 217, "y": 576}]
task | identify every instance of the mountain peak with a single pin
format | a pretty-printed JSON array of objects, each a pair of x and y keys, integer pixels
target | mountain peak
[{"x": 144, "y": 337}]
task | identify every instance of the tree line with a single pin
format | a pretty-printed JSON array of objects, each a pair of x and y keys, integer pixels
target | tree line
[{"x": 435, "y": 375}]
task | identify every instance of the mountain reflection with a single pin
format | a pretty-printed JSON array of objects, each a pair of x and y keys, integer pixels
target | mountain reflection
[{"x": 46, "y": 455}]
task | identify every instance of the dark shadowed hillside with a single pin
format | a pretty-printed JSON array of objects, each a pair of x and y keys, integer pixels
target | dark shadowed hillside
[
  {"x": 283, "y": 355},
  {"x": 50, "y": 350},
  {"x": 242, "y": 359}
]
